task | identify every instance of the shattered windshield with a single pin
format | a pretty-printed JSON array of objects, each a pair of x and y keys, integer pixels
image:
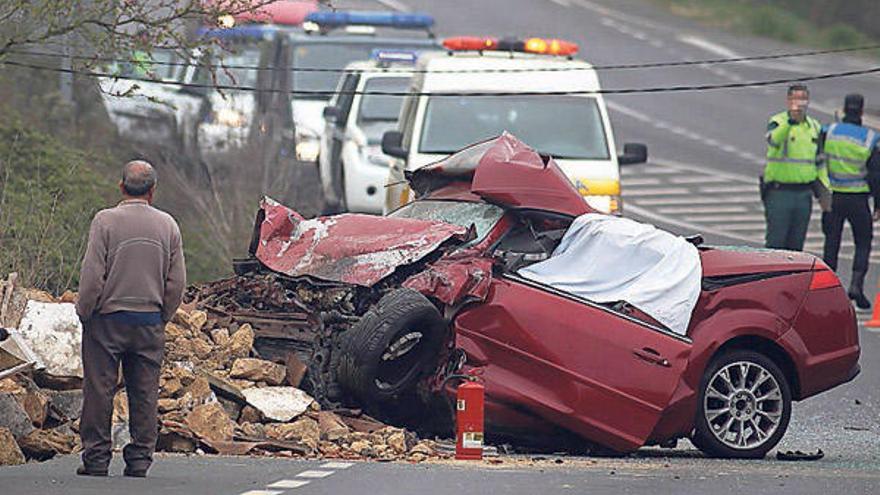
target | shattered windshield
[
  {"x": 563, "y": 127},
  {"x": 482, "y": 216}
]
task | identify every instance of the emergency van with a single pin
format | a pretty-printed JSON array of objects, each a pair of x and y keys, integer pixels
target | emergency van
[
  {"x": 352, "y": 166},
  {"x": 482, "y": 87}
]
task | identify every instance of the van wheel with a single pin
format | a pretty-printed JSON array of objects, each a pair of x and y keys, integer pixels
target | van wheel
[
  {"x": 744, "y": 406},
  {"x": 393, "y": 346}
]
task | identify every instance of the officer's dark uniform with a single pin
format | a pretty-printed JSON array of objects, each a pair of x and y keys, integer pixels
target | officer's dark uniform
[{"x": 852, "y": 169}]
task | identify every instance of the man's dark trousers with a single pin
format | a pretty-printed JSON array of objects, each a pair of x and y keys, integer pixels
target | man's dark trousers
[
  {"x": 853, "y": 208},
  {"x": 788, "y": 217},
  {"x": 140, "y": 349}
]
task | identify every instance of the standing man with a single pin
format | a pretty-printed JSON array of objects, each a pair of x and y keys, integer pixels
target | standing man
[
  {"x": 131, "y": 283},
  {"x": 853, "y": 169},
  {"x": 790, "y": 176}
]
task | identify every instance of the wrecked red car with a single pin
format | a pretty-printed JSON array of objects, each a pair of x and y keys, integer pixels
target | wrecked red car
[{"x": 591, "y": 328}]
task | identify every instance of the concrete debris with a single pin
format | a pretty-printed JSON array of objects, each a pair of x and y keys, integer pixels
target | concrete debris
[
  {"x": 278, "y": 403},
  {"x": 258, "y": 370},
  {"x": 210, "y": 422},
  {"x": 54, "y": 332},
  {"x": 10, "y": 452},
  {"x": 239, "y": 359}
]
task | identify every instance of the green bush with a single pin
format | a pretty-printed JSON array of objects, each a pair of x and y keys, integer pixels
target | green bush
[
  {"x": 773, "y": 23},
  {"x": 842, "y": 35},
  {"x": 48, "y": 194}
]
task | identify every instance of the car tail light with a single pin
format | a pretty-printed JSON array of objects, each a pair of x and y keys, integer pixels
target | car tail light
[
  {"x": 470, "y": 43},
  {"x": 824, "y": 279}
]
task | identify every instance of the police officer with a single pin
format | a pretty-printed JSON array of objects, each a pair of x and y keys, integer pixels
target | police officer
[
  {"x": 790, "y": 177},
  {"x": 852, "y": 161}
]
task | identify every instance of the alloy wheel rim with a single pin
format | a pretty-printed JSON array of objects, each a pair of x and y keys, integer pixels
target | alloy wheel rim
[{"x": 743, "y": 405}]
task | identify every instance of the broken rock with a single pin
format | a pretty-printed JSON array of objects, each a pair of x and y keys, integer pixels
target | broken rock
[
  {"x": 211, "y": 422},
  {"x": 10, "y": 453},
  {"x": 331, "y": 426},
  {"x": 304, "y": 430},
  {"x": 46, "y": 444},
  {"x": 65, "y": 405},
  {"x": 241, "y": 342},
  {"x": 220, "y": 336},
  {"x": 278, "y": 403},
  {"x": 36, "y": 406},
  {"x": 258, "y": 370},
  {"x": 13, "y": 416},
  {"x": 54, "y": 332}
]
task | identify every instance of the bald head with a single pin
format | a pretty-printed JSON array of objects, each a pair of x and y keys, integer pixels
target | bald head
[{"x": 138, "y": 178}]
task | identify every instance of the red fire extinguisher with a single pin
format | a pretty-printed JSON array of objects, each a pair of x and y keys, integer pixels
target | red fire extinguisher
[{"x": 469, "y": 417}]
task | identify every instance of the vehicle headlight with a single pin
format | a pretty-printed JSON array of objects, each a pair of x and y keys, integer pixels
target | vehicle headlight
[
  {"x": 229, "y": 117},
  {"x": 307, "y": 148},
  {"x": 606, "y": 204}
]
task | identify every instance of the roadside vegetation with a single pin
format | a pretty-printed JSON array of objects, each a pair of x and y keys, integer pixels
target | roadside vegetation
[{"x": 819, "y": 23}]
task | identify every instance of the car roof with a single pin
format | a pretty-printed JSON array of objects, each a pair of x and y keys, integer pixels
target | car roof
[
  {"x": 567, "y": 74},
  {"x": 396, "y": 69}
]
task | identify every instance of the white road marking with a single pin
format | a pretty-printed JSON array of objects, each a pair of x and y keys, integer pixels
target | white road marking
[
  {"x": 758, "y": 228},
  {"x": 395, "y": 5},
  {"x": 691, "y": 200},
  {"x": 708, "y": 46},
  {"x": 745, "y": 217},
  {"x": 696, "y": 180},
  {"x": 637, "y": 192},
  {"x": 314, "y": 474},
  {"x": 628, "y": 111},
  {"x": 687, "y": 225},
  {"x": 288, "y": 484},
  {"x": 262, "y": 492},
  {"x": 731, "y": 189},
  {"x": 641, "y": 181},
  {"x": 671, "y": 210},
  {"x": 603, "y": 10},
  {"x": 337, "y": 465},
  {"x": 563, "y": 3}
]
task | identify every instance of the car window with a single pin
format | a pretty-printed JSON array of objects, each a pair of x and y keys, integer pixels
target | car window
[
  {"x": 564, "y": 126},
  {"x": 378, "y": 113},
  {"x": 482, "y": 216},
  {"x": 226, "y": 76}
]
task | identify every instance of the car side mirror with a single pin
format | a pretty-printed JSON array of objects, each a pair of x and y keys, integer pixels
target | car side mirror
[
  {"x": 392, "y": 144},
  {"x": 331, "y": 112},
  {"x": 633, "y": 153}
]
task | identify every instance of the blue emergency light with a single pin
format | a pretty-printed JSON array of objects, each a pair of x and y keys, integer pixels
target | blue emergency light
[
  {"x": 366, "y": 18},
  {"x": 389, "y": 56},
  {"x": 255, "y": 31}
]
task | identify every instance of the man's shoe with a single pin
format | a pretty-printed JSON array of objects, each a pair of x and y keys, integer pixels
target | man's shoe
[
  {"x": 84, "y": 471},
  {"x": 134, "y": 473},
  {"x": 862, "y": 302}
]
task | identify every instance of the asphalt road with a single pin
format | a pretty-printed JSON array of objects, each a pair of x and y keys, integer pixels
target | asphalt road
[{"x": 706, "y": 153}]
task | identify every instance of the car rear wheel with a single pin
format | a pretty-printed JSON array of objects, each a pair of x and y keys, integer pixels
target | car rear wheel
[
  {"x": 744, "y": 406},
  {"x": 391, "y": 347}
]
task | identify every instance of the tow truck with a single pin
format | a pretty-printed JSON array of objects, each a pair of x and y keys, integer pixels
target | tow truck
[
  {"x": 352, "y": 167},
  {"x": 571, "y": 124},
  {"x": 330, "y": 41}
]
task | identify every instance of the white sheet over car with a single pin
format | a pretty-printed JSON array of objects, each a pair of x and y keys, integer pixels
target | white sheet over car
[{"x": 607, "y": 259}]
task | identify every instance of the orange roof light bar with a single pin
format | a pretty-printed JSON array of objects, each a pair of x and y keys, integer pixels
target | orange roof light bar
[
  {"x": 470, "y": 43},
  {"x": 543, "y": 46}
]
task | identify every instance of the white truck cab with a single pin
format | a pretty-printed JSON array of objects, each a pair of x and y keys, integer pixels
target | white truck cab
[
  {"x": 352, "y": 167},
  {"x": 571, "y": 125}
]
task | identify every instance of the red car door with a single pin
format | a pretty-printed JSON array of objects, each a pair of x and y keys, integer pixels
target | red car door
[{"x": 601, "y": 374}]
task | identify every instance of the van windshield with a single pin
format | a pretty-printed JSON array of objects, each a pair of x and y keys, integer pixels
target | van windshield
[{"x": 560, "y": 126}]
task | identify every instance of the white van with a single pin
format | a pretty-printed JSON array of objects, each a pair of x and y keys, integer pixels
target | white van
[{"x": 573, "y": 128}]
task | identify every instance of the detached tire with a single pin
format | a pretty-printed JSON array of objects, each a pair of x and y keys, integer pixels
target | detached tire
[
  {"x": 391, "y": 347},
  {"x": 744, "y": 406}
]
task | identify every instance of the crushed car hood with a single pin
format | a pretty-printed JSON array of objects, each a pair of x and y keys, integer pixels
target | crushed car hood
[
  {"x": 507, "y": 172},
  {"x": 351, "y": 248}
]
